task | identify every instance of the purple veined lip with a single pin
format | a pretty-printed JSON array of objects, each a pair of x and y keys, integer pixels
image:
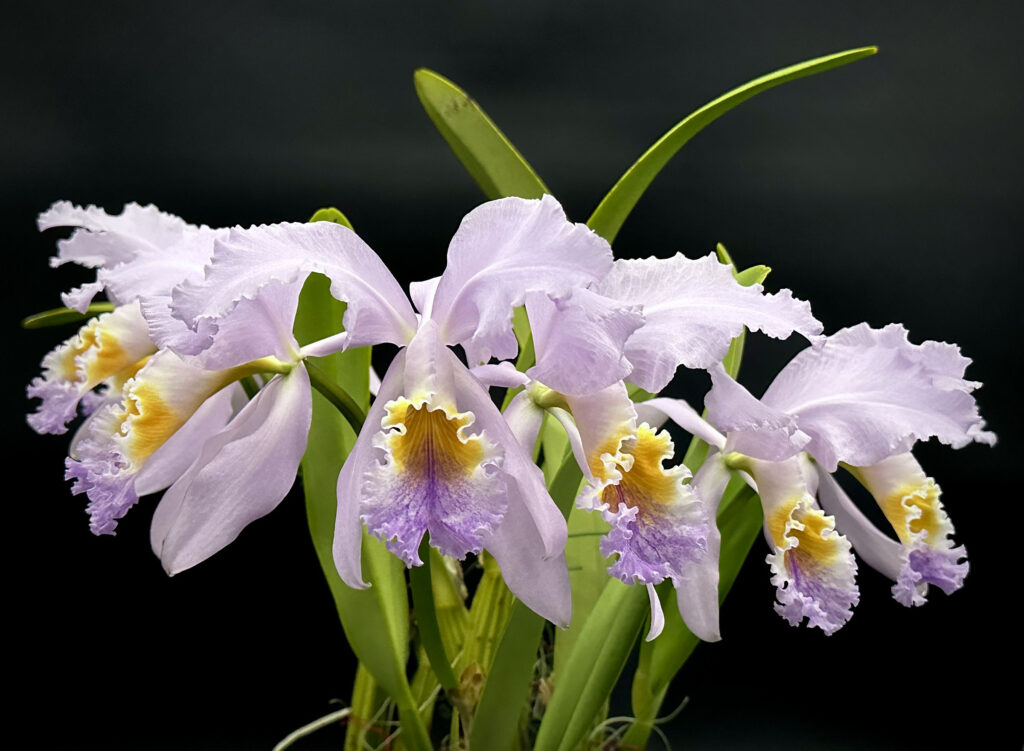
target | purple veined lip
[{"x": 435, "y": 477}]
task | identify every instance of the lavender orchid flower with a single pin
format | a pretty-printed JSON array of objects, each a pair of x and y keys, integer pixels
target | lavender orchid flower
[
  {"x": 435, "y": 455},
  {"x": 641, "y": 321},
  {"x": 860, "y": 397},
  {"x": 139, "y": 254}
]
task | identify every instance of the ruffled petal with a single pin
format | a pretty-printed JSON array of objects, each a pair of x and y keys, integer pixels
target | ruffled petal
[
  {"x": 109, "y": 239},
  {"x": 865, "y": 394},
  {"x": 241, "y": 474},
  {"x": 348, "y": 528},
  {"x": 911, "y": 502},
  {"x": 142, "y": 251},
  {"x": 693, "y": 309},
  {"x": 659, "y": 525},
  {"x": 502, "y": 250},
  {"x": 435, "y": 473},
  {"x": 812, "y": 565},
  {"x": 247, "y": 260},
  {"x": 579, "y": 340},
  {"x": 255, "y": 328},
  {"x": 107, "y": 346}
]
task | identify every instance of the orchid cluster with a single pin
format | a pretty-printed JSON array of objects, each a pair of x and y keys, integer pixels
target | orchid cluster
[{"x": 193, "y": 381}]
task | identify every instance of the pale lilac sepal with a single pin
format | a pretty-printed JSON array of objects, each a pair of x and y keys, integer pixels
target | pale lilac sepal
[
  {"x": 525, "y": 419},
  {"x": 579, "y": 340},
  {"x": 753, "y": 427},
  {"x": 539, "y": 580},
  {"x": 654, "y": 412},
  {"x": 241, "y": 474},
  {"x": 247, "y": 260},
  {"x": 697, "y": 584},
  {"x": 877, "y": 549},
  {"x": 348, "y": 528},
  {"x": 500, "y": 374},
  {"x": 502, "y": 250},
  {"x": 864, "y": 394},
  {"x": 693, "y": 309},
  {"x": 422, "y": 295}
]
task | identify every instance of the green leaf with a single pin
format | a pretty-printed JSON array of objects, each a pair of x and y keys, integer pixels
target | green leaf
[
  {"x": 375, "y": 620},
  {"x": 62, "y": 316},
  {"x": 331, "y": 214},
  {"x": 422, "y": 588},
  {"x": 611, "y": 213},
  {"x": 484, "y": 150},
  {"x": 739, "y": 521},
  {"x": 511, "y": 672},
  {"x": 594, "y": 666},
  {"x": 588, "y": 573}
]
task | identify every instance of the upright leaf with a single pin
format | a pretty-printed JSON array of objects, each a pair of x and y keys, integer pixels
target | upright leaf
[
  {"x": 375, "y": 620},
  {"x": 611, "y": 213},
  {"x": 482, "y": 148}
]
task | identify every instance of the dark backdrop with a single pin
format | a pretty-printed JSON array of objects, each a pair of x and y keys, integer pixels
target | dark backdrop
[{"x": 884, "y": 191}]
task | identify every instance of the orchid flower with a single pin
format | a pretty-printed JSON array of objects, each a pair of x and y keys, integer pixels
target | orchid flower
[
  {"x": 435, "y": 455},
  {"x": 642, "y": 321},
  {"x": 140, "y": 255},
  {"x": 861, "y": 397}
]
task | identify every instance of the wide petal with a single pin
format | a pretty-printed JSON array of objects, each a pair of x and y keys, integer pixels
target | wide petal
[
  {"x": 865, "y": 394},
  {"x": 579, "y": 340},
  {"x": 249, "y": 259},
  {"x": 242, "y": 473},
  {"x": 693, "y": 309},
  {"x": 142, "y": 251},
  {"x": 348, "y": 527},
  {"x": 503, "y": 249},
  {"x": 109, "y": 239},
  {"x": 255, "y": 328}
]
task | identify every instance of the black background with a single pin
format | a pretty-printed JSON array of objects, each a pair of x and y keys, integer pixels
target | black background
[{"x": 884, "y": 191}]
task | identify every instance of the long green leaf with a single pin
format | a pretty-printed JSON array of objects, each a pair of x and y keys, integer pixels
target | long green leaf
[
  {"x": 593, "y": 667},
  {"x": 482, "y": 148},
  {"x": 739, "y": 522},
  {"x": 508, "y": 680},
  {"x": 375, "y": 620},
  {"x": 61, "y": 316},
  {"x": 611, "y": 213}
]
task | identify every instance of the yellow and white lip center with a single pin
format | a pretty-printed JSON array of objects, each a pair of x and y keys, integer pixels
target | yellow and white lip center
[
  {"x": 111, "y": 345},
  {"x": 432, "y": 443},
  {"x": 645, "y": 483},
  {"x": 806, "y": 533},
  {"x": 916, "y": 512}
]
